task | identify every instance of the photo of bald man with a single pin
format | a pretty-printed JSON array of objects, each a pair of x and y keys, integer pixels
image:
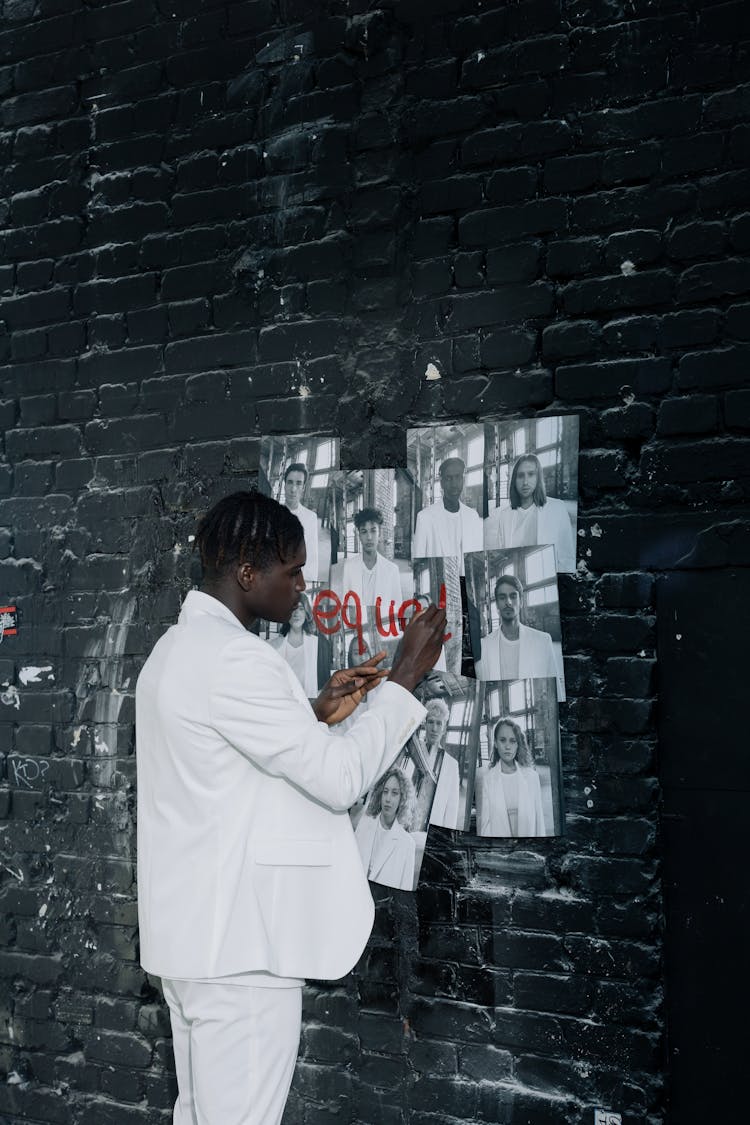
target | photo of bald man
[{"x": 447, "y": 467}]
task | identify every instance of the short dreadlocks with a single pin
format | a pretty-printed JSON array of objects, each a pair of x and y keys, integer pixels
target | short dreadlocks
[{"x": 246, "y": 527}]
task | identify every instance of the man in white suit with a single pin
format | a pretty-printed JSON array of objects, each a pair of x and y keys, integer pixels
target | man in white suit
[
  {"x": 295, "y": 482},
  {"x": 249, "y": 875},
  {"x": 515, "y": 651},
  {"x": 448, "y": 528},
  {"x": 369, "y": 574}
]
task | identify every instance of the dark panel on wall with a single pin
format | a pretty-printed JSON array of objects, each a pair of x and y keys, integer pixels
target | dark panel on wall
[{"x": 704, "y": 618}]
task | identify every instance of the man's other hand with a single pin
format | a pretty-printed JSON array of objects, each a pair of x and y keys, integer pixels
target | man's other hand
[{"x": 346, "y": 689}]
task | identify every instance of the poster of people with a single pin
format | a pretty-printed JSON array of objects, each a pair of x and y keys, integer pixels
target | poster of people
[
  {"x": 431, "y": 782},
  {"x": 446, "y": 464},
  {"x": 373, "y": 562},
  {"x": 515, "y": 611},
  {"x": 297, "y": 470},
  {"x": 518, "y": 784},
  {"x": 480, "y": 520},
  {"x": 533, "y": 485},
  {"x": 437, "y": 582}
]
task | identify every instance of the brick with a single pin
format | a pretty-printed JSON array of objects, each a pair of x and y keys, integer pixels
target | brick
[
  {"x": 698, "y": 461},
  {"x": 710, "y": 280},
  {"x": 737, "y": 409},
  {"x": 719, "y": 367},
  {"x": 697, "y": 240},
  {"x": 569, "y": 338},
  {"x": 501, "y": 224},
  {"x": 220, "y": 350},
  {"x": 652, "y": 287},
  {"x": 60, "y": 440},
  {"x": 605, "y": 379},
  {"x": 116, "y": 436}
]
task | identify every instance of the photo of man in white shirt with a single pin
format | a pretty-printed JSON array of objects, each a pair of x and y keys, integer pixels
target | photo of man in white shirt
[
  {"x": 369, "y": 574},
  {"x": 448, "y": 528},
  {"x": 515, "y": 651},
  {"x": 295, "y": 481}
]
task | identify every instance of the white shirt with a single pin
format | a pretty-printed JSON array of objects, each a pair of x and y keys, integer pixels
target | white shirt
[
  {"x": 310, "y": 524},
  {"x": 509, "y": 656}
]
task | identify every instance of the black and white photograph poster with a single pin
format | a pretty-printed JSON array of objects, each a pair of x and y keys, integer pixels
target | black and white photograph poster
[
  {"x": 437, "y": 582},
  {"x": 373, "y": 570},
  {"x": 533, "y": 485},
  {"x": 440, "y": 757},
  {"x": 518, "y": 784},
  {"x": 305, "y": 648},
  {"x": 446, "y": 465},
  {"x": 297, "y": 470},
  {"x": 431, "y": 782},
  {"x": 515, "y": 615}
]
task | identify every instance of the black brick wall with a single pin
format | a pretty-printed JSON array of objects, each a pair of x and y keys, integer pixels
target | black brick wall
[{"x": 219, "y": 220}]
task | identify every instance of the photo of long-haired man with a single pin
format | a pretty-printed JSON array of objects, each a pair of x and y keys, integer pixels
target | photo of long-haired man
[{"x": 533, "y": 485}]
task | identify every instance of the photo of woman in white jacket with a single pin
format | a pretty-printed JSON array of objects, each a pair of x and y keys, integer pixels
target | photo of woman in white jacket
[{"x": 508, "y": 790}]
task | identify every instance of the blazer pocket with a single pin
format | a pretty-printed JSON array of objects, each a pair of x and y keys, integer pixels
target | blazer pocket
[{"x": 293, "y": 853}]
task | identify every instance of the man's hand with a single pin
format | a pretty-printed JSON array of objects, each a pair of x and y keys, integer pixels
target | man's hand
[
  {"x": 420, "y": 647},
  {"x": 346, "y": 689}
]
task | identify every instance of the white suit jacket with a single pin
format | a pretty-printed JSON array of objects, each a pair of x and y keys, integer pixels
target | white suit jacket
[
  {"x": 492, "y": 813},
  {"x": 246, "y": 855},
  {"x": 432, "y": 537},
  {"x": 310, "y": 523},
  {"x": 552, "y": 526},
  {"x": 396, "y": 867},
  {"x": 536, "y": 657},
  {"x": 388, "y": 585},
  {"x": 444, "y": 811}
]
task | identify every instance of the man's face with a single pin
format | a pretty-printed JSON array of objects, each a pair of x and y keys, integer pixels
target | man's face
[
  {"x": 508, "y": 603},
  {"x": 526, "y": 479},
  {"x": 434, "y": 727},
  {"x": 294, "y": 487},
  {"x": 390, "y": 800},
  {"x": 369, "y": 536},
  {"x": 452, "y": 482},
  {"x": 275, "y": 591}
]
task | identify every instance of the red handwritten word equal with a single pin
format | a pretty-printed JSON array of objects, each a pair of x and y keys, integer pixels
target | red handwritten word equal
[{"x": 347, "y": 612}]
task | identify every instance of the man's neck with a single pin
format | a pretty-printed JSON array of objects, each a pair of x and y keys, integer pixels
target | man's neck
[
  {"x": 527, "y": 503},
  {"x": 227, "y": 594},
  {"x": 451, "y": 505},
  {"x": 370, "y": 560},
  {"x": 510, "y": 630}
]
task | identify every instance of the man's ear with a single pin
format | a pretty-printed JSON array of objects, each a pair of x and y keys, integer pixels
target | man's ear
[{"x": 246, "y": 575}]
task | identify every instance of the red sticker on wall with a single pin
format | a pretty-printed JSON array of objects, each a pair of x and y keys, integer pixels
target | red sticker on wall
[{"x": 8, "y": 621}]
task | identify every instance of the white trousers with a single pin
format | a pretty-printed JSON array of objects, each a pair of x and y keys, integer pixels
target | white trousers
[{"x": 235, "y": 1047}]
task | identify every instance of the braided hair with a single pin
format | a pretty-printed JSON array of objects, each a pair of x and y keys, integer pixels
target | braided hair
[{"x": 246, "y": 527}]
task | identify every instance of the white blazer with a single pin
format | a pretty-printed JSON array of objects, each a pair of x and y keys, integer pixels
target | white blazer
[
  {"x": 432, "y": 533},
  {"x": 552, "y": 526},
  {"x": 444, "y": 811},
  {"x": 246, "y": 855},
  {"x": 388, "y": 585},
  {"x": 310, "y": 524},
  {"x": 395, "y": 867},
  {"x": 536, "y": 658},
  {"x": 492, "y": 812}
]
